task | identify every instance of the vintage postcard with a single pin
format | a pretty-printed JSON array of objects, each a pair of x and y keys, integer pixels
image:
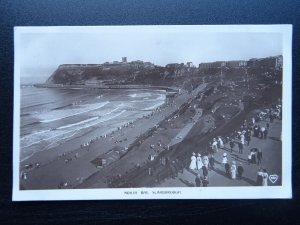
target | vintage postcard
[{"x": 152, "y": 112}]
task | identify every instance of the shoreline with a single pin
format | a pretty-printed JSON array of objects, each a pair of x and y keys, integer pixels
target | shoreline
[
  {"x": 85, "y": 156},
  {"x": 96, "y": 129}
]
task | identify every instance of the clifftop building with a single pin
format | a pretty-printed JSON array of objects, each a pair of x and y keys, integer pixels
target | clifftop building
[{"x": 270, "y": 62}]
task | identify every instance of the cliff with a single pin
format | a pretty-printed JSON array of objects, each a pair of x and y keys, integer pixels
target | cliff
[{"x": 137, "y": 72}]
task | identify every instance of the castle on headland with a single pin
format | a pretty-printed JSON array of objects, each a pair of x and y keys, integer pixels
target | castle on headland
[{"x": 139, "y": 72}]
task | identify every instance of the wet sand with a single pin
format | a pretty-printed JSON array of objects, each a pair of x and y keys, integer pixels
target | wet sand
[{"x": 70, "y": 164}]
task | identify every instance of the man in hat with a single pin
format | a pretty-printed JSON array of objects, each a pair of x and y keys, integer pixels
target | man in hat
[
  {"x": 240, "y": 171},
  {"x": 231, "y": 145},
  {"x": 240, "y": 147},
  {"x": 248, "y": 137},
  {"x": 259, "y": 156},
  {"x": 205, "y": 171},
  {"x": 227, "y": 169},
  {"x": 259, "y": 179}
]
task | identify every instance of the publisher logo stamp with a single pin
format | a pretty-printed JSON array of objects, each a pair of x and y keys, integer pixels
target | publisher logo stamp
[{"x": 273, "y": 178}]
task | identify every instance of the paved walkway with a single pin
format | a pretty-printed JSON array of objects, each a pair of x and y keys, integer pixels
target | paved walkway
[
  {"x": 186, "y": 129},
  {"x": 272, "y": 155}
]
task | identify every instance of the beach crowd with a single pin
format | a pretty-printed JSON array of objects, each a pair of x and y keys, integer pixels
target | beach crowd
[{"x": 251, "y": 128}]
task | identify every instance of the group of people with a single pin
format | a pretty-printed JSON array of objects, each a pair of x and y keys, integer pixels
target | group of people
[
  {"x": 262, "y": 177},
  {"x": 204, "y": 163},
  {"x": 199, "y": 180},
  {"x": 233, "y": 171},
  {"x": 241, "y": 138},
  {"x": 255, "y": 156},
  {"x": 198, "y": 163}
]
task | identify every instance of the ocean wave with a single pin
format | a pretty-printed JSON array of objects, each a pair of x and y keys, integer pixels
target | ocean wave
[
  {"x": 33, "y": 134},
  {"x": 140, "y": 95},
  {"x": 154, "y": 106},
  {"x": 137, "y": 101},
  {"x": 50, "y": 135},
  {"x": 112, "y": 117},
  {"x": 62, "y": 114},
  {"x": 78, "y": 123}
]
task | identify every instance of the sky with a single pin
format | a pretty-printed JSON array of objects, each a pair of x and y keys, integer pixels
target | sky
[{"x": 40, "y": 53}]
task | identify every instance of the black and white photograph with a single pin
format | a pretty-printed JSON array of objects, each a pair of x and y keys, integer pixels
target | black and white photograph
[{"x": 152, "y": 112}]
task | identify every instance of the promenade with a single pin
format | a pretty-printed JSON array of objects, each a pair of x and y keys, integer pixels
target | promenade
[{"x": 271, "y": 161}]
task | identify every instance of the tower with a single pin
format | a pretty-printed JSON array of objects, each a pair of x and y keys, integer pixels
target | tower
[{"x": 124, "y": 59}]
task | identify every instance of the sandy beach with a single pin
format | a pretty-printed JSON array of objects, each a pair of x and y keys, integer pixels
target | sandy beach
[{"x": 69, "y": 163}]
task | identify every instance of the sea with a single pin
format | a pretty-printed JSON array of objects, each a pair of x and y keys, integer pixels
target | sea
[{"x": 52, "y": 116}]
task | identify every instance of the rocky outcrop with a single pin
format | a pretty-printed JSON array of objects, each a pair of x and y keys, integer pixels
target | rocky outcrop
[{"x": 136, "y": 72}]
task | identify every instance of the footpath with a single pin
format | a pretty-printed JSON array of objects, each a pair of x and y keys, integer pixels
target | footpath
[{"x": 272, "y": 161}]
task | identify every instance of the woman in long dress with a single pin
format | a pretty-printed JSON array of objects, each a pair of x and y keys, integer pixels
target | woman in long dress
[
  {"x": 215, "y": 145},
  {"x": 199, "y": 162},
  {"x": 265, "y": 176},
  {"x": 205, "y": 161},
  {"x": 221, "y": 143},
  {"x": 233, "y": 170},
  {"x": 224, "y": 160},
  {"x": 242, "y": 139},
  {"x": 193, "y": 164}
]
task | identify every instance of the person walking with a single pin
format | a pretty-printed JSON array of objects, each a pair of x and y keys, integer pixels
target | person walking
[
  {"x": 259, "y": 179},
  {"x": 205, "y": 171},
  {"x": 231, "y": 145},
  {"x": 193, "y": 164},
  {"x": 215, "y": 145},
  {"x": 205, "y": 161},
  {"x": 253, "y": 157},
  {"x": 212, "y": 162},
  {"x": 224, "y": 160},
  {"x": 240, "y": 147},
  {"x": 240, "y": 171},
  {"x": 259, "y": 156},
  {"x": 248, "y": 138},
  {"x": 233, "y": 170},
  {"x": 242, "y": 139},
  {"x": 227, "y": 169},
  {"x": 262, "y": 131},
  {"x": 199, "y": 162},
  {"x": 249, "y": 157},
  {"x": 220, "y": 142},
  {"x": 255, "y": 131},
  {"x": 271, "y": 117},
  {"x": 198, "y": 181},
  {"x": 265, "y": 177},
  {"x": 265, "y": 134}
]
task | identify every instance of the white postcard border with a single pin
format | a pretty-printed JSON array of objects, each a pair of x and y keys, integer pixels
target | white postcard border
[{"x": 284, "y": 191}]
